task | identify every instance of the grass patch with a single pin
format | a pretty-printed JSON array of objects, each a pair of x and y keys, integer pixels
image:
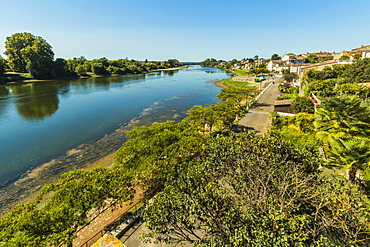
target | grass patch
[
  {"x": 235, "y": 83},
  {"x": 288, "y": 96},
  {"x": 241, "y": 72}
]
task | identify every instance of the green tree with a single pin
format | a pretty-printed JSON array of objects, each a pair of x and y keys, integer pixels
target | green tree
[
  {"x": 246, "y": 190},
  {"x": 312, "y": 58},
  {"x": 74, "y": 62},
  {"x": 344, "y": 57},
  {"x": 80, "y": 70},
  {"x": 2, "y": 65},
  {"x": 27, "y": 52},
  {"x": 39, "y": 58},
  {"x": 174, "y": 63},
  {"x": 13, "y": 47},
  {"x": 322, "y": 74},
  {"x": 302, "y": 104},
  {"x": 236, "y": 94},
  {"x": 322, "y": 87},
  {"x": 61, "y": 208},
  {"x": 352, "y": 88},
  {"x": 209, "y": 62},
  {"x": 61, "y": 68},
  {"x": 351, "y": 155},
  {"x": 149, "y": 144},
  {"x": 226, "y": 112},
  {"x": 285, "y": 71},
  {"x": 258, "y": 71},
  {"x": 342, "y": 117},
  {"x": 275, "y": 57},
  {"x": 343, "y": 125},
  {"x": 98, "y": 69},
  {"x": 290, "y": 77},
  {"x": 304, "y": 121},
  {"x": 358, "y": 71}
]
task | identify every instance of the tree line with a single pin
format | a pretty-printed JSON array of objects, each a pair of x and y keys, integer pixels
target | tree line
[
  {"x": 32, "y": 54},
  {"x": 256, "y": 66}
]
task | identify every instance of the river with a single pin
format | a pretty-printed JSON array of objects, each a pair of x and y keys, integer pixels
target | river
[{"x": 47, "y": 128}]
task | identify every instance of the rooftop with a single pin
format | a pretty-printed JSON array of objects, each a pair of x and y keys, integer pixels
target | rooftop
[{"x": 284, "y": 102}]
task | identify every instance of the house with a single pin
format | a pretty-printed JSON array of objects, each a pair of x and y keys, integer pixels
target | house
[
  {"x": 361, "y": 48},
  {"x": 293, "y": 59},
  {"x": 321, "y": 55},
  {"x": 297, "y": 68},
  {"x": 274, "y": 65},
  {"x": 337, "y": 56},
  {"x": 362, "y": 51}
]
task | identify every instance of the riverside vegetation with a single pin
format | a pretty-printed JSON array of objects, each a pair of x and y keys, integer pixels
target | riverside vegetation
[
  {"x": 220, "y": 188},
  {"x": 31, "y": 57}
]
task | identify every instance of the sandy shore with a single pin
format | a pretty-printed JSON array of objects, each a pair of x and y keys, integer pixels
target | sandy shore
[{"x": 176, "y": 68}]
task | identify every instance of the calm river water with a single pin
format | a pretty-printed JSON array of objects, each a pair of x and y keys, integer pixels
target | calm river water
[{"x": 42, "y": 121}]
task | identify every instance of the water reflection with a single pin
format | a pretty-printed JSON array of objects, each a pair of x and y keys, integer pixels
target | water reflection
[
  {"x": 4, "y": 92},
  {"x": 170, "y": 72},
  {"x": 35, "y": 102}
]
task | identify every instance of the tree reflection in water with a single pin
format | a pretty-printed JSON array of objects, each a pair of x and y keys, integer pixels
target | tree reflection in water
[
  {"x": 35, "y": 102},
  {"x": 3, "y": 102}
]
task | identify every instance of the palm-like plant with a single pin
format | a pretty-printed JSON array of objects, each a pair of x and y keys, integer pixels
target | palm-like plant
[
  {"x": 343, "y": 125},
  {"x": 352, "y": 155}
]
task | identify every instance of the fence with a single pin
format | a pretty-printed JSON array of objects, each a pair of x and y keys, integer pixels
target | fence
[
  {"x": 258, "y": 97},
  {"x": 101, "y": 233}
]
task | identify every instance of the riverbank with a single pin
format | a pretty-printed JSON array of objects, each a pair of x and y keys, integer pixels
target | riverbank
[
  {"x": 84, "y": 77},
  {"x": 100, "y": 150}
]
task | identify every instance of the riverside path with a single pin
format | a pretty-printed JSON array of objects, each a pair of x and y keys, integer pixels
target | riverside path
[{"x": 257, "y": 119}]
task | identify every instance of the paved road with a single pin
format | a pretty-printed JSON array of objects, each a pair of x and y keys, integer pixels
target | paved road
[{"x": 257, "y": 118}]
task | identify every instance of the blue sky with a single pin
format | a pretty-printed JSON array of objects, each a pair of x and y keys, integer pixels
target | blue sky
[{"x": 188, "y": 30}]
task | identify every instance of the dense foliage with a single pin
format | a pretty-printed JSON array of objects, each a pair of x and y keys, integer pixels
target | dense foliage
[
  {"x": 302, "y": 104},
  {"x": 358, "y": 72},
  {"x": 339, "y": 79},
  {"x": 32, "y": 54},
  {"x": 2, "y": 65},
  {"x": 210, "y": 62},
  {"x": 289, "y": 77},
  {"x": 275, "y": 57},
  {"x": 287, "y": 91},
  {"x": 61, "y": 208},
  {"x": 246, "y": 190},
  {"x": 327, "y": 73},
  {"x": 250, "y": 65},
  {"x": 27, "y": 52},
  {"x": 343, "y": 125}
]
